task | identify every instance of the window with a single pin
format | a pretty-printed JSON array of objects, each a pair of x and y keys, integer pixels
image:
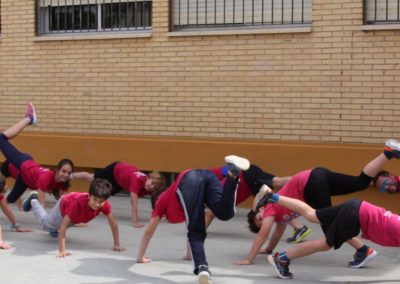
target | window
[
  {"x": 381, "y": 11},
  {"x": 71, "y": 16},
  {"x": 189, "y": 14}
]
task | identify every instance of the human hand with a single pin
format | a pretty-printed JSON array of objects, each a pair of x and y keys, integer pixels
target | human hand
[
  {"x": 118, "y": 248},
  {"x": 143, "y": 260},
  {"x": 265, "y": 251},
  {"x": 63, "y": 253},
  {"x": 3, "y": 245},
  {"x": 242, "y": 262},
  {"x": 23, "y": 230}
]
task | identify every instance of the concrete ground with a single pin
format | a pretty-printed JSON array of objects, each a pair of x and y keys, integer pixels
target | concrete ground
[{"x": 32, "y": 258}]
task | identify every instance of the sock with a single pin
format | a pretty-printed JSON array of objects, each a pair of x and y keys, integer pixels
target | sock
[
  {"x": 283, "y": 257},
  {"x": 275, "y": 198},
  {"x": 224, "y": 171},
  {"x": 389, "y": 155},
  {"x": 363, "y": 249}
]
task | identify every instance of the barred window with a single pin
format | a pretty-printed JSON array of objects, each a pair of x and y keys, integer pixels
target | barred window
[
  {"x": 192, "y": 14},
  {"x": 381, "y": 11},
  {"x": 69, "y": 16}
]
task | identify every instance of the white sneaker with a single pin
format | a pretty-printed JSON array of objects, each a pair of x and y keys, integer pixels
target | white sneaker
[
  {"x": 241, "y": 163},
  {"x": 204, "y": 277},
  {"x": 393, "y": 144}
]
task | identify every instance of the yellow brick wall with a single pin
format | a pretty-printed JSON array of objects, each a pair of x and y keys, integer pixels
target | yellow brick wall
[{"x": 334, "y": 84}]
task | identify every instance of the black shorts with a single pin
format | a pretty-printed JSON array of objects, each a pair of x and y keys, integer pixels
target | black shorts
[
  {"x": 255, "y": 177},
  {"x": 108, "y": 174},
  {"x": 340, "y": 223}
]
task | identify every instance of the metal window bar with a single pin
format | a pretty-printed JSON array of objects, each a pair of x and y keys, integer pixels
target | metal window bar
[
  {"x": 381, "y": 12},
  {"x": 192, "y": 14},
  {"x": 81, "y": 16}
]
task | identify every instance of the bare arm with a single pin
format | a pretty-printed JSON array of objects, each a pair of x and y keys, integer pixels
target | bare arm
[
  {"x": 134, "y": 210},
  {"x": 147, "y": 235},
  {"x": 276, "y": 236},
  {"x": 10, "y": 215},
  {"x": 114, "y": 229},
  {"x": 258, "y": 242},
  {"x": 62, "y": 233},
  {"x": 82, "y": 175}
]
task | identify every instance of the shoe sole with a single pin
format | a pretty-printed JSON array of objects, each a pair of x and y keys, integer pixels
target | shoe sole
[
  {"x": 34, "y": 118},
  {"x": 204, "y": 279},
  {"x": 28, "y": 199},
  {"x": 393, "y": 145},
  {"x": 366, "y": 260},
  {"x": 239, "y": 162},
  {"x": 271, "y": 260},
  {"x": 302, "y": 237}
]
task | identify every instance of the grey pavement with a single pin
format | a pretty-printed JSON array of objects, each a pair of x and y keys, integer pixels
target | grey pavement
[{"x": 32, "y": 258}]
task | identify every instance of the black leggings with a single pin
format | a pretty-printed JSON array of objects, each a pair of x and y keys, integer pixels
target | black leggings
[
  {"x": 16, "y": 158},
  {"x": 324, "y": 183},
  {"x": 255, "y": 177}
]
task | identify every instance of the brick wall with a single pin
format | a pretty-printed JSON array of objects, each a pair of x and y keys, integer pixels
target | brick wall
[{"x": 334, "y": 84}]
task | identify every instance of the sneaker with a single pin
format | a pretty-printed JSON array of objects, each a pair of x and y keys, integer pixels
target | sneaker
[
  {"x": 204, "y": 275},
  {"x": 392, "y": 148},
  {"x": 53, "y": 234},
  {"x": 236, "y": 164},
  {"x": 281, "y": 268},
  {"x": 299, "y": 235},
  {"x": 262, "y": 198},
  {"x": 360, "y": 259},
  {"x": 31, "y": 113},
  {"x": 26, "y": 205}
]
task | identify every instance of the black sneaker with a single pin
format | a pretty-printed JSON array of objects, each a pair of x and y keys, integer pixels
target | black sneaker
[
  {"x": 204, "y": 275},
  {"x": 26, "y": 205},
  {"x": 281, "y": 268},
  {"x": 360, "y": 258},
  {"x": 299, "y": 235}
]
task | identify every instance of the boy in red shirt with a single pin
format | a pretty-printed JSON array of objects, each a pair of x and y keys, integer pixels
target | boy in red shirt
[
  {"x": 75, "y": 208},
  {"x": 184, "y": 201},
  {"x": 340, "y": 223}
]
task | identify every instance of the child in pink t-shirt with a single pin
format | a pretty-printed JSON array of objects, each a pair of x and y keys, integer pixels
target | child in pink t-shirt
[
  {"x": 315, "y": 187},
  {"x": 75, "y": 208},
  {"x": 340, "y": 223}
]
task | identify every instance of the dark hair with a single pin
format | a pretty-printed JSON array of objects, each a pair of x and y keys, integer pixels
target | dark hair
[
  {"x": 252, "y": 224},
  {"x": 101, "y": 188},
  {"x": 382, "y": 173},
  {"x": 64, "y": 162}
]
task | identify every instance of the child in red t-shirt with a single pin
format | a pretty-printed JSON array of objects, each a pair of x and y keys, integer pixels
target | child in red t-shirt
[
  {"x": 124, "y": 176},
  {"x": 340, "y": 223},
  {"x": 25, "y": 170},
  {"x": 184, "y": 201},
  {"x": 75, "y": 208}
]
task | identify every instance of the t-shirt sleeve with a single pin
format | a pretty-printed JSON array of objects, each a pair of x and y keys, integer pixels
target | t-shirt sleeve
[
  {"x": 269, "y": 210},
  {"x": 106, "y": 209},
  {"x": 160, "y": 208},
  {"x": 135, "y": 185},
  {"x": 72, "y": 210},
  {"x": 1, "y": 197},
  {"x": 44, "y": 180}
]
